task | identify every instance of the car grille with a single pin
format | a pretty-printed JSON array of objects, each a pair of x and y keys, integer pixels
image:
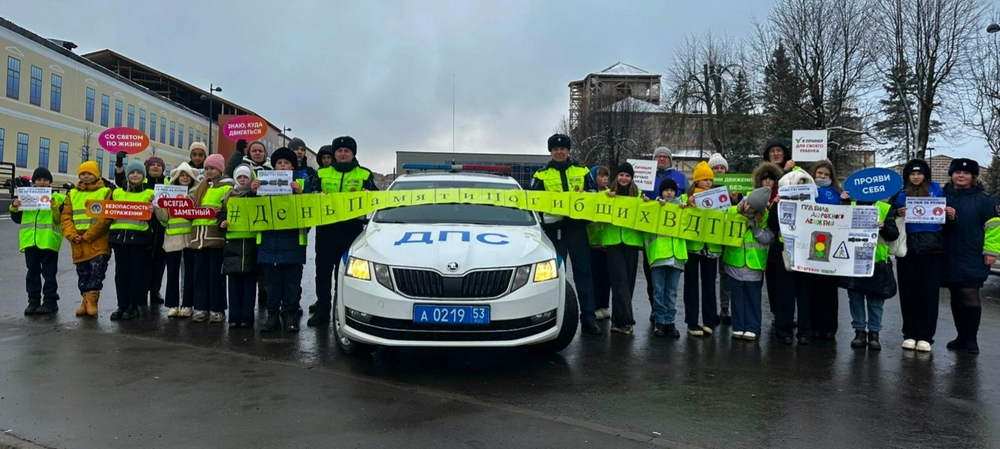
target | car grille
[{"x": 430, "y": 284}]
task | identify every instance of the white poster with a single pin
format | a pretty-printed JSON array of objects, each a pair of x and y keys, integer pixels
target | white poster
[
  {"x": 717, "y": 198},
  {"x": 34, "y": 198},
  {"x": 169, "y": 191},
  {"x": 926, "y": 209},
  {"x": 645, "y": 174},
  {"x": 798, "y": 192},
  {"x": 827, "y": 239},
  {"x": 809, "y": 145},
  {"x": 275, "y": 182}
]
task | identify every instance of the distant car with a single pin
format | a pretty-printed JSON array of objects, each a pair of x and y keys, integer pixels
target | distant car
[{"x": 453, "y": 275}]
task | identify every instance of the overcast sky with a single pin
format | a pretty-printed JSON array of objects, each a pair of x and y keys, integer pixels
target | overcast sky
[{"x": 382, "y": 71}]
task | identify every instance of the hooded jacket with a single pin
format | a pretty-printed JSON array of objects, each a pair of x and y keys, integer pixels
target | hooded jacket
[
  {"x": 207, "y": 236},
  {"x": 95, "y": 239},
  {"x": 963, "y": 258},
  {"x": 784, "y": 148},
  {"x": 240, "y": 157},
  {"x": 176, "y": 242}
]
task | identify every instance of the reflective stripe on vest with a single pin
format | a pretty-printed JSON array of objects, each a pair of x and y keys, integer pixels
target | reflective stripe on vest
[
  {"x": 40, "y": 228},
  {"x": 144, "y": 196},
  {"x": 659, "y": 247},
  {"x": 213, "y": 198},
  {"x": 78, "y": 200},
  {"x": 752, "y": 254},
  {"x": 332, "y": 180},
  {"x": 178, "y": 226}
]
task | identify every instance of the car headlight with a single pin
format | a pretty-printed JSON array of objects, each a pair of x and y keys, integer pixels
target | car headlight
[
  {"x": 546, "y": 270},
  {"x": 359, "y": 269}
]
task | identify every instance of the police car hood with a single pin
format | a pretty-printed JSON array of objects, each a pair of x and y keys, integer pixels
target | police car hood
[{"x": 438, "y": 246}]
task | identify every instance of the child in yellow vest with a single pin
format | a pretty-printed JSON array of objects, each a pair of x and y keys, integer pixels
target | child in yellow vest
[
  {"x": 39, "y": 239},
  {"x": 239, "y": 257},
  {"x": 207, "y": 242},
  {"x": 175, "y": 244},
  {"x": 622, "y": 245},
  {"x": 132, "y": 242},
  {"x": 744, "y": 265},
  {"x": 701, "y": 268},
  {"x": 88, "y": 237},
  {"x": 666, "y": 257}
]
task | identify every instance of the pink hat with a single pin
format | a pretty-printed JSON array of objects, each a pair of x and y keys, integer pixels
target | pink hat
[{"x": 216, "y": 160}]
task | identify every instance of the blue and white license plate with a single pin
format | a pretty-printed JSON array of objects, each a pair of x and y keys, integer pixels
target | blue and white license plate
[{"x": 450, "y": 315}]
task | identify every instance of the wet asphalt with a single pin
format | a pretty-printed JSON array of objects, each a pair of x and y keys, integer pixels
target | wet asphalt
[{"x": 67, "y": 382}]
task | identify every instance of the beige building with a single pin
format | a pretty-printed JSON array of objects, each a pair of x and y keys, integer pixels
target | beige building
[{"x": 56, "y": 103}]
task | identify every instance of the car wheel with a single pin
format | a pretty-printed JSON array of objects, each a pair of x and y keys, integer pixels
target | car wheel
[{"x": 571, "y": 319}]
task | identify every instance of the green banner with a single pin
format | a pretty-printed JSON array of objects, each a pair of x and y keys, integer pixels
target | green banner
[
  {"x": 735, "y": 182},
  {"x": 268, "y": 213}
]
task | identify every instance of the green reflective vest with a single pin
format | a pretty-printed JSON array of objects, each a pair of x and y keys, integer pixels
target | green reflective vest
[
  {"x": 552, "y": 180},
  {"x": 78, "y": 199},
  {"x": 612, "y": 235},
  {"x": 881, "y": 249},
  {"x": 178, "y": 226},
  {"x": 213, "y": 198},
  {"x": 659, "y": 247},
  {"x": 332, "y": 180},
  {"x": 694, "y": 246},
  {"x": 144, "y": 196},
  {"x": 752, "y": 254},
  {"x": 991, "y": 239},
  {"x": 41, "y": 228},
  {"x": 595, "y": 233}
]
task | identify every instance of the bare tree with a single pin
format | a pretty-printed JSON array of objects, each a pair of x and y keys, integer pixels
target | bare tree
[
  {"x": 612, "y": 130},
  {"x": 935, "y": 38},
  {"x": 983, "y": 104}
]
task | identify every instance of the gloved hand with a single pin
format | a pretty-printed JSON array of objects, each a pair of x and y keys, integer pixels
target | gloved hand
[
  {"x": 241, "y": 145},
  {"x": 120, "y": 159}
]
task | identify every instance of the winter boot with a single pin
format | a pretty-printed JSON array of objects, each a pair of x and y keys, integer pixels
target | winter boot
[
  {"x": 273, "y": 323},
  {"x": 291, "y": 321},
  {"x": 48, "y": 307},
  {"x": 91, "y": 299},
  {"x": 82, "y": 310},
  {"x": 873, "y": 342},
  {"x": 320, "y": 316},
  {"x": 33, "y": 305},
  {"x": 860, "y": 339}
]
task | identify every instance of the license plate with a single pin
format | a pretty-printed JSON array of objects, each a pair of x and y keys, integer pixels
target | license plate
[{"x": 451, "y": 315}]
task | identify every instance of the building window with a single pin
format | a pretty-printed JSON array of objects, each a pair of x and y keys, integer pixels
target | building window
[
  {"x": 190, "y": 136},
  {"x": 55, "y": 100},
  {"x": 111, "y": 168},
  {"x": 84, "y": 154},
  {"x": 118, "y": 113},
  {"x": 100, "y": 160},
  {"x": 131, "y": 116},
  {"x": 43, "y": 152},
  {"x": 36, "y": 86},
  {"x": 173, "y": 128},
  {"x": 152, "y": 127},
  {"x": 90, "y": 104},
  {"x": 63, "y": 157},
  {"x": 13, "y": 77},
  {"x": 105, "y": 109},
  {"x": 163, "y": 130},
  {"x": 22, "y": 150},
  {"x": 180, "y": 135},
  {"x": 3, "y": 137},
  {"x": 142, "y": 120}
]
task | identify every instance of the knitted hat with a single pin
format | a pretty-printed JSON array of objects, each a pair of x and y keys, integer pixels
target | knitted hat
[
  {"x": 342, "y": 142},
  {"x": 717, "y": 160},
  {"x": 702, "y": 171},
  {"x": 916, "y": 165},
  {"x": 963, "y": 164},
  {"x": 89, "y": 167},
  {"x": 197, "y": 146},
  {"x": 41, "y": 173},
  {"x": 135, "y": 165},
  {"x": 243, "y": 170},
  {"x": 663, "y": 150},
  {"x": 757, "y": 199},
  {"x": 668, "y": 184},
  {"x": 625, "y": 167},
  {"x": 282, "y": 153},
  {"x": 560, "y": 141},
  {"x": 217, "y": 161},
  {"x": 154, "y": 160},
  {"x": 296, "y": 143},
  {"x": 780, "y": 144}
]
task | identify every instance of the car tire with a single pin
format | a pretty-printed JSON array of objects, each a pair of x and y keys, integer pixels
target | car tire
[{"x": 571, "y": 320}]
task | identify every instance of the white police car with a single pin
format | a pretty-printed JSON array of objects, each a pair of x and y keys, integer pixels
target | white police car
[{"x": 453, "y": 275}]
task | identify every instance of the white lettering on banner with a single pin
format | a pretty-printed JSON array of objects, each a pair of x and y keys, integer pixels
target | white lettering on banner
[{"x": 871, "y": 179}]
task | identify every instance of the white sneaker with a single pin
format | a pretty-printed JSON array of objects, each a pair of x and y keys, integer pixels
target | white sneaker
[
  {"x": 923, "y": 346},
  {"x": 216, "y": 317},
  {"x": 602, "y": 314},
  {"x": 909, "y": 344},
  {"x": 749, "y": 336},
  {"x": 707, "y": 330},
  {"x": 738, "y": 334},
  {"x": 173, "y": 311},
  {"x": 696, "y": 332},
  {"x": 199, "y": 316},
  {"x": 185, "y": 312}
]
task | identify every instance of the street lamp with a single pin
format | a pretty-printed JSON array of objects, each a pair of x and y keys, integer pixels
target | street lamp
[
  {"x": 211, "y": 90},
  {"x": 993, "y": 28},
  {"x": 284, "y": 133}
]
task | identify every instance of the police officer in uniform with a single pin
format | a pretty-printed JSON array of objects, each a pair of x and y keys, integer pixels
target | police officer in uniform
[
  {"x": 332, "y": 240},
  {"x": 562, "y": 174}
]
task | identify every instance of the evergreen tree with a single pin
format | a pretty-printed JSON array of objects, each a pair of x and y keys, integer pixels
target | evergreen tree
[
  {"x": 782, "y": 98},
  {"x": 743, "y": 127},
  {"x": 899, "y": 114}
]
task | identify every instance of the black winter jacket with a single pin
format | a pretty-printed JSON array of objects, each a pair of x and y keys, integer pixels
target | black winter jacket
[{"x": 963, "y": 237}]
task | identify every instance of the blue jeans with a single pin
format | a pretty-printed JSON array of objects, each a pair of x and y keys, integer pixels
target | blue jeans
[
  {"x": 665, "y": 280},
  {"x": 746, "y": 304},
  {"x": 874, "y": 309}
]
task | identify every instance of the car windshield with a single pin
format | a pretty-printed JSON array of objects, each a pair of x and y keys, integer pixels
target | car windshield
[{"x": 454, "y": 213}]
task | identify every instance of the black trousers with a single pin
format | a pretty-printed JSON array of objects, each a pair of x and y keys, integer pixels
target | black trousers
[
  {"x": 700, "y": 271},
  {"x": 209, "y": 283},
  {"x": 131, "y": 275},
  {"x": 919, "y": 295},
  {"x": 825, "y": 302},
  {"x": 242, "y": 296},
  {"x": 331, "y": 243},
  {"x": 602, "y": 283},
  {"x": 570, "y": 240},
  {"x": 967, "y": 311},
  {"x": 43, "y": 264},
  {"x": 157, "y": 263},
  {"x": 177, "y": 260},
  {"x": 282, "y": 283},
  {"x": 786, "y": 293},
  {"x": 621, "y": 272}
]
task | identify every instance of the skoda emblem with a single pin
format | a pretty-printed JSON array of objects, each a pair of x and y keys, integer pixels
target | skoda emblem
[{"x": 452, "y": 266}]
